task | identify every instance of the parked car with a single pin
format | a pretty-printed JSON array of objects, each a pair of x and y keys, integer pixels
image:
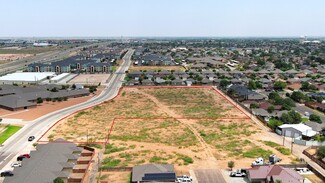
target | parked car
[
  {"x": 258, "y": 161},
  {"x": 25, "y": 155},
  {"x": 20, "y": 158},
  {"x": 237, "y": 174},
  {"x": 184, "y": 178},
  {"x": 16, "y": 164},
  {"x": 6, "y": 174},
  {"x": 31, "y": 138}
]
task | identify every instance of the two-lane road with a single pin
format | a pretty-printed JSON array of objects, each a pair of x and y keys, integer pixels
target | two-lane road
[{"x": 18, "y": 142}]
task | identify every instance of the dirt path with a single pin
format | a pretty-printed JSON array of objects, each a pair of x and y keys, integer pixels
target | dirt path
[{"x": 208, "y": 152}]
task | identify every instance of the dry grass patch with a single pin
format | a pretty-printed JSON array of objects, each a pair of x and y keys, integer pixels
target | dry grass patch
[{"x": 195, "y": 102}]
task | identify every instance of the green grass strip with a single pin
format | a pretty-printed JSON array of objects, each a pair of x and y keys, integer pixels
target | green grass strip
[{"x": 9, "y": 131}]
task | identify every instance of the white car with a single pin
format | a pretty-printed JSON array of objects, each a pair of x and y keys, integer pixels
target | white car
[{"x": 16, "y": 164}]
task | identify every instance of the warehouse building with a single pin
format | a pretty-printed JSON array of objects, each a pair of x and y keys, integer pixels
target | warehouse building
[{"x": 26, "y": 77}]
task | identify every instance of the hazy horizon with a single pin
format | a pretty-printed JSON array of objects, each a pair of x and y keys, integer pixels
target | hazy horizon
[{"x": 162, "y": 19}]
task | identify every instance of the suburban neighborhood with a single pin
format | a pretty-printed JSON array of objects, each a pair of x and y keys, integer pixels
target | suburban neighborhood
[{"x": 162, "y": 91}]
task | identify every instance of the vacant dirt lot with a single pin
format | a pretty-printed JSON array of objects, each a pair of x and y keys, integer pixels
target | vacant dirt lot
[
  {"x": 6, "y": 57},
  {"x": 90, "y": 79},
  {"x": 156, "y": 68},
  {"x": 193, "y": 128}
]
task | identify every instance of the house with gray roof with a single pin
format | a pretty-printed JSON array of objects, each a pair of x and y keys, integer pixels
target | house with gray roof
[
  {"x": 153, "y": 173},
  {"x": 58, "y": 159}
]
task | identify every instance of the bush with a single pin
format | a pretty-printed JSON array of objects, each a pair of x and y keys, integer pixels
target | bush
[
  {"x": 321, "y": 152},
  {"x": 283, "y": 150},
  {"x": 315, "y": 118},
  {"x": 231, "y": 165},
  {"x": 39, "y": 100},
  {"x": 58, "y": 180},
  {"x": 275, "y": 123}
]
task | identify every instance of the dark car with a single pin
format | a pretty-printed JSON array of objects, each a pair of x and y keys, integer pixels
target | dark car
[
  {"x": 31, "y": 138},
  {"x": 20, "y": 158},
  {"x": 6, "y": 174}
]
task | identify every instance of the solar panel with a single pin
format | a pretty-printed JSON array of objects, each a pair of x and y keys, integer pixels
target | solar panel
[{"x": 159, "y": 176}]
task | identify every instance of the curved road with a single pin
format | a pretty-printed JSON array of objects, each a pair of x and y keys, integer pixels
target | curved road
[{"x": 18, "y": 142}]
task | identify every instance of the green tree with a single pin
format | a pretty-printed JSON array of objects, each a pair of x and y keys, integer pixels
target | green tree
[
  {"x": 315, "y": 118},
  {"x": 252, "y": 85},
  {"x": 254, "y": 106},
  {"x": 58, "y": 180},
  {"x": 321, "y": 152},
  {"x": 270, "y": 109},
  {"x": 299, "y": 96},
  {"x": 305, "y": 86},
  {"x": 278, "y": 85},
  {"x": 291, "y": 117},
  {"x": 224, "y": 83},
  {"x": 39, "y": 100},
  {"x": 231, "y": 165}
]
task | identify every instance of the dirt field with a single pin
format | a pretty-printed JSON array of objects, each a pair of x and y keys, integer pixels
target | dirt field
[
  {"x": 42, "y": 109},
  {"x": 156, "y": 68},
  {"x": 90, "y": 79},
  {"x": 165, "y": 125},
  {"x": 10, "y": 57}
]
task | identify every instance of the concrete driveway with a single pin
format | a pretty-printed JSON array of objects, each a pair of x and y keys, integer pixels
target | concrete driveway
[{"x": 209, "y": 176}]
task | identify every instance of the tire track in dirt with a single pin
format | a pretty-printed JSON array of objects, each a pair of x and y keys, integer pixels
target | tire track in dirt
[{"x": 171, "y": 113}]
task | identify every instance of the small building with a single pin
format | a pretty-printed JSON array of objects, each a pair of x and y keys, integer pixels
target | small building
[
  {"x": 273, "y": 173},
  {"x": 296, "y": 130},
  {"x": 153, "y": 173}
]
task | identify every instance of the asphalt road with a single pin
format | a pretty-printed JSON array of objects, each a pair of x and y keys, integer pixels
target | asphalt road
[
  {"x": 302, "y": 109},
  {"x": 18, "y": 142}
]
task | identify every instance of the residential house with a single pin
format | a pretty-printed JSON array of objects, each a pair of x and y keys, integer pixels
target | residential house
[
  {"x": 153, "y": 173},
  {"x": 272, "y": 174}
]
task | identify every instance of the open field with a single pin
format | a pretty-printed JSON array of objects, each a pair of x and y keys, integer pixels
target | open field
[
  {"x": 29, "y": 50},
  {"x": 9, "y": 57},
  {"x": 156, "y": 68},
  {"x": 89, "y": 79},
  {"x": 7, "y": 132},
  {"x": 190, "y": 127}
]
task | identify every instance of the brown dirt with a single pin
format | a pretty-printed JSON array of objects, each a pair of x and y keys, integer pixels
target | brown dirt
[
  {"x": 213, "y": 142},
  {"x": 5, "y": 57},
  {"x": 115, "y": 177},
  {"x": 90, "y": 79}
]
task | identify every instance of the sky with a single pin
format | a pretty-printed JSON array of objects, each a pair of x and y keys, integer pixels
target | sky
[{"x": 162, "y": 18}]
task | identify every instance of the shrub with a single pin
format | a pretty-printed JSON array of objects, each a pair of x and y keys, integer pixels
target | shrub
[
  {"x": 231, "y": 165},
  {"x": 321, "y": 152},
  {"x": 283, "y": 150}
]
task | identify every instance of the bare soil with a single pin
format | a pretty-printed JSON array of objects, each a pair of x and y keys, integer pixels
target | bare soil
[
  {"x": 90, "y": 79},
  {"x": 192, "y": 128}
]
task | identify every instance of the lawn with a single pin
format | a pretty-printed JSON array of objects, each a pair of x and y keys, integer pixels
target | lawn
[{"x": 8, "y": 132}]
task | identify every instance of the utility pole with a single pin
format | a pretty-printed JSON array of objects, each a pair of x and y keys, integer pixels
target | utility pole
[
  {"x": 292, "y": 145},
  {"x": 284, "y": 137}
]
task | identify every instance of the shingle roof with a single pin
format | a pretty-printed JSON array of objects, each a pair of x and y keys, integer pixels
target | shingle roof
[
  {"x": 45, "y": 164},
  {"x": 139, "y": 172}
]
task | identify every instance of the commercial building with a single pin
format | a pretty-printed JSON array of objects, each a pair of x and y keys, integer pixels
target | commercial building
[
  {"x": 15, "y": 98},
  {"x": 25, "y": 77},
  {"x": 58, "y": 159}
]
